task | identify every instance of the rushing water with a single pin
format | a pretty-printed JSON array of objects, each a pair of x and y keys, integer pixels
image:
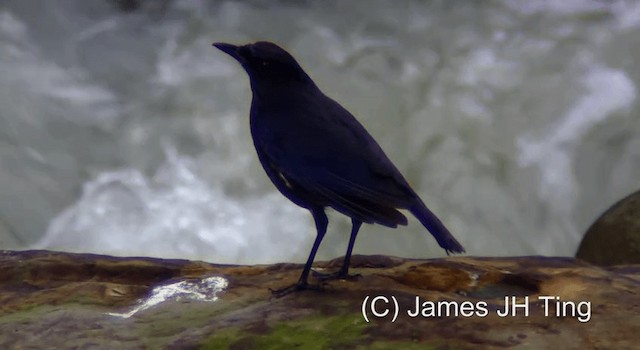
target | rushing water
[{"x": 125, "y": 132}]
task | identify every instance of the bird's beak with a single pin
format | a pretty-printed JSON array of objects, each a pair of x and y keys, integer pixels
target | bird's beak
[{"x": 231, "y": 50}]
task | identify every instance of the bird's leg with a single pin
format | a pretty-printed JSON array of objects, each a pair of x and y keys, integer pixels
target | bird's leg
[
  {"x": 344, "y": 270},
  {"x": 343, "y": 273},
  {"x": 321, "y": 221}
]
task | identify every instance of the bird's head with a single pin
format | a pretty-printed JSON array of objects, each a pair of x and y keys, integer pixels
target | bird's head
[{"x": 267, "y": 64}]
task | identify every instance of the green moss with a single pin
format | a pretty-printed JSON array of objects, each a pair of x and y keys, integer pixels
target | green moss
[
  {"x": 397, "y": 345},
  {"x": 221, "y": 340},
  {"x": 333, "y": 332},
  {"x": 316, "y": 333},
  {"x": 159, "y": 324},
  {"x": 27, "y": 314}
]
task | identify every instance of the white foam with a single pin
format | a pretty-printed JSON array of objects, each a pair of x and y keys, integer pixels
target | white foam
[
  {"x": 204, "y": 290},
  {"x": 607, "y": 91},
  {"x": 565, "y": 7},
  {"x": 175, "y": 214}
]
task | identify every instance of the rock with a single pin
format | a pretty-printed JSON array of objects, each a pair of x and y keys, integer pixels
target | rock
[
  {"x": 62, "y": 300},
  {"x": 614, "y": 239}
]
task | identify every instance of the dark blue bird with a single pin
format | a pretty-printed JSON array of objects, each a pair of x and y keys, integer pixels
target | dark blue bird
[{"x": 318, "y": 155}]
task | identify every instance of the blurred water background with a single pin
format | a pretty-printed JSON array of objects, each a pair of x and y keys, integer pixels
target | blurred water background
[{"x": 122, "y": 131}]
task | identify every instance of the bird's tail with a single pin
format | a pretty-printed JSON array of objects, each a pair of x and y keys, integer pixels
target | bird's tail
[{"x": 436, "y": 227}]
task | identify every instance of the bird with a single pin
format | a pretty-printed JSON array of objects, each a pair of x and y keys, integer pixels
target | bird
[{"x": 318, "y": 155}]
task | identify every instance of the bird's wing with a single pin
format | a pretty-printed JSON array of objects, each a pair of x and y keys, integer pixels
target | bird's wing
[{"x": 332, "y": 155}]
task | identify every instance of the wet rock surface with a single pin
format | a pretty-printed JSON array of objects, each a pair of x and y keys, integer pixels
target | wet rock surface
[{"x": 63, "y": 300}]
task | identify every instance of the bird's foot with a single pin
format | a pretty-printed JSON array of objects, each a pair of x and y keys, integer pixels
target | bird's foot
[
  {"x": 299, "y": 286},
  {"x": 338, "y": 275}
]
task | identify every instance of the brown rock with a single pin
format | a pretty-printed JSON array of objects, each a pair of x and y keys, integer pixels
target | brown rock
[
  {"x": 61, "y": 300},
  {"x": 614, "y": 239}
]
